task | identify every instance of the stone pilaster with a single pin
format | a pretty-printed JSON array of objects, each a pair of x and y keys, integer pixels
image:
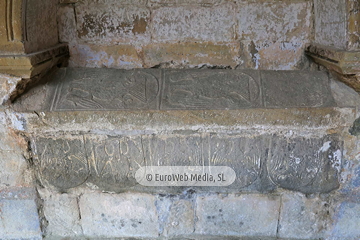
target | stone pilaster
[{"x": 29, "y": 44}]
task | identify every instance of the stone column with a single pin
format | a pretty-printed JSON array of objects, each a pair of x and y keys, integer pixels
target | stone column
[
  {"x": 337, "y": 39},
  {"x": 29, "y": 44}
]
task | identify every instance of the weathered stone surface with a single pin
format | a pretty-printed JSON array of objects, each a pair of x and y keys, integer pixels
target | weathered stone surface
[
  {"x": 195, "y": 23},
  {"x": 180, "y": 220},
  {"x": 41, "y": 25},
  {"x": 330, "y": 23},
  {"x": 114, "y": 160},
  {"x": 243, "y": 215},
  {"x": 199, "y": 89},
  {"x": 347, "y": 221},
  {"x": 19, "y": 219},
  {"x": 299, "y": 164},
  {"x": 7, "y": 87},
  {"x": 110, "y": 22},
  {"x": 305, "y": 165},
  {"x": 66, "y": 23},
  {"x": 99, "y": 56},
  {"x": 124, "y": 215},
  {"x": 288, "y": 88},
  {"x": 62, "y": 214},
  {"x": 276, "y": 30},
  {"x": 115, "y": 89},
  {"x": 107, "y": 89},
  {"x": 191, "y": 54},
  {"x": 302, "y": 217},
  {"x": 190, "y": 33},
  {"x": 307, "y": 121},
  {"x": 355, "y": 129},
  {"x": 343, "y": 64},
  {"x": 244, "y": 155},
  {"x": 34, "y": 65},
  {"x": 63, "y": 161}
]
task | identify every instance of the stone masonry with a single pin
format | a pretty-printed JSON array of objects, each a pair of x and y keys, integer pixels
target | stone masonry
[{"x": 91, "y": 91}]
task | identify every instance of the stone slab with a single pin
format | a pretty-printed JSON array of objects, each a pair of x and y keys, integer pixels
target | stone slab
[
  {"x": 107, "y": 89},
  {"x": 261, "y": 162},
  {"x": 122, "y": 215},
  {"x": 79, "y": 89},
  {"x": 296, "y": 89},
  {"x": 244, "y": 215}
]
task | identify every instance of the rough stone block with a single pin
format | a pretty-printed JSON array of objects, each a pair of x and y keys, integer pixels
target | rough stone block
[
  {"x": 302, "y": 217},
  {"x": 111, "y": 22},
  {"x": 19, "y": 219},
  {"x": 347, "y": 222},
  {"x": 276, "y": 32},
  {"x": 193, "y": 23},
  {"x": 243, "y": 215},
  {"x": 191, "y": 54},
  {"x": 62, "y": 214},
  {"x": 125, "y": 215}
]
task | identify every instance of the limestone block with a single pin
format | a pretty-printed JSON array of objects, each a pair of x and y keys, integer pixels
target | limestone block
[
  {"x": 110, "y": 22},
  {"x": 303, "y": 218},
  {"x": 191, "y": 54},
  {"x": 19, "y": 215},
  {"x": 330, "y": 23},
  {"x": 121, "y": 56},
  {"x": 176, "y": 216},
  {"x": 62, "y": 214},
  {"x": 242, "y": 215},
  {"x": 193, "y": 23},
  {"x": 276, "y": 32},
  {"x": 123, "y": 215}
]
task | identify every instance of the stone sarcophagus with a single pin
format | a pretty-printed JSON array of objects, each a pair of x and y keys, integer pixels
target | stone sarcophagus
[{"x": 97, "y": 127}]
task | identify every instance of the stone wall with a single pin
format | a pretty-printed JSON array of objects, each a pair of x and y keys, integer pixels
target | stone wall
[{"x": 214, "y": 33}]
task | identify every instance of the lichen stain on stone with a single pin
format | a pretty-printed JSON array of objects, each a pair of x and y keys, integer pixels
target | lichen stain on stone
[{"x": 140, "y": 25}]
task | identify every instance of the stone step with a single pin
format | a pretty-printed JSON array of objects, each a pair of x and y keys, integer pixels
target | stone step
[{"x": 276, "y": 129}]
